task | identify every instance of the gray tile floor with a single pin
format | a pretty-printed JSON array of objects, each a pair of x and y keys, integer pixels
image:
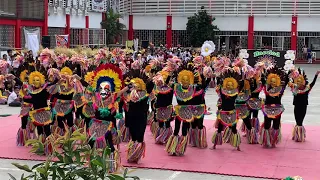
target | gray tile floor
[{"x": 211, "y": 99}]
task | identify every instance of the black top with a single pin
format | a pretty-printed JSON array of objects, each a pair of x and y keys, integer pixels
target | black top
[
  {"x": 164, "y": 100},
  {"x": 254, "y": 86},
  {"x": 228, "y": 102},
  {"x": 302, "y": 99},
  {"x": 276, "y": 99},
  {"x": 199, "y": 99},
  {"x": 39, "y": 100}
]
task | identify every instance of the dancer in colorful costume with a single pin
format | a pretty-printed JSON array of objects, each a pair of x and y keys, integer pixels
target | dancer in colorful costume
[
  {"x": 89, "y": 93},
  {"x": 227, "y": 116},
  {"x": 26, "y": 131},
  {"x": 185, "y": 111},
  {"x": 163, "y": 90},
  {"x": 138, "y": 105},
  {"x": 254, "y": 104},
  {"x": 107, "y": 82},
  {"x": 300, "y": 90},
  {"x": 204, "y": 74},
  {"x": 40, "y": 114},
  {"x": 63, "y": 104},
  {"x": 273, "y": 107},
  {"x": 244, "y": 112}
]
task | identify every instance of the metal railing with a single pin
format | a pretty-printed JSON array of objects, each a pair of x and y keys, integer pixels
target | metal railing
[{"x": 220, "y": 7}]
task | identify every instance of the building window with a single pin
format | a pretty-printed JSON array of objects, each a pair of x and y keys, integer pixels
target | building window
[
  {"x": 6, "y": 36},
  {"x": 157, "y": 37},
  {"x": 79, "y": 37},
  {"x": 52, "y": 32},
  {"x": 8, "y": 8},
  {"x": 31, "y": 9},
  {"x": 180, "y": 37},
  {"x": 97, "y": 37}
]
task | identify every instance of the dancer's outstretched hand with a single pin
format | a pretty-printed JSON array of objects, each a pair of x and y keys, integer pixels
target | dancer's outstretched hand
[{"x": 318, "y": 72}]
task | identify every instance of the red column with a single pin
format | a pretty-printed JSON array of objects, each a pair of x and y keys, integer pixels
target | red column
[
  {"x": 45, "y": 21},
  {"x": 17, "y": 34},
  {"x": 103, "y": 16},
  {"x": 87, "y": 22},
  {"x": 169, "y": 31},
  {"x": 130, "y": 31},
  {"x": 67, "y": 30},
  {"x": 294, "y": 32},
  {"x": 251, "y": 32}
]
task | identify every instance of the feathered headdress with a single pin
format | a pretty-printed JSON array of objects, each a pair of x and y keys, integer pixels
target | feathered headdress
[
  {"x": 230, "y": 73},
  {"x": 110, "y": 73},
  {"x": 300, "y": 73}
]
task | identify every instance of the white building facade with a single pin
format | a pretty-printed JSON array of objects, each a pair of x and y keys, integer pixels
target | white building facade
[
  {"x": 279, "y": 24},
  {"x": 80, "y": 19}
]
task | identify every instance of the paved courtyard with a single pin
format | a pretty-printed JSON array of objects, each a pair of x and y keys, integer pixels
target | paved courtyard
[{"x": 211, "y": 99}]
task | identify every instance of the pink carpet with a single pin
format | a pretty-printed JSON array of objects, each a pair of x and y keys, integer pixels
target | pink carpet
[{"x": 288, "y": 159}]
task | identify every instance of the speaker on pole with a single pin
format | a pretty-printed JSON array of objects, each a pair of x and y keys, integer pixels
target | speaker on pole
[{"x": 45, "y": 42}]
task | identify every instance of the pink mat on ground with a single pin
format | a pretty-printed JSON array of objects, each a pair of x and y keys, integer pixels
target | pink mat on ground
[{"x": 288, "y": 159}]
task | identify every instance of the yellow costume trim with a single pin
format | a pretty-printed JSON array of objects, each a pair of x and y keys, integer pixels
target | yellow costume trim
[
  {"x": 276, "y": 76},
  {"x": 36, "y": 74},
  {"x": 89, "y": 77},
  {"x": 139, "y": 81},
  {"x": 66, "y": 71},
  {"x": 232, "y": 80},
  {"x": 111, "y": 74},
  {"x": 187, "y": 73},
  {"x": 23, "y": 76}
]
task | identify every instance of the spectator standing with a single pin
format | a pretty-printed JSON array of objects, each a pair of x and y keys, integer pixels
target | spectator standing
[{"x": 305, "y": 52}]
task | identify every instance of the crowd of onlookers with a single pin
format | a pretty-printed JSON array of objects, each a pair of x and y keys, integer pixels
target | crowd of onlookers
[{"x": 10, "y": 89}]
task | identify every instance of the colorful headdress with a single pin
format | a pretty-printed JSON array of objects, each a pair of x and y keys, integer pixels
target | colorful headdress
[
  {"x": 23, "y": 75},
  {"x": 89, "y": 77},
  {"x": 187, "y": 73},
  {"x": 36, "y": 74},
  {"x": 274, "y": 76},
  {"x": 66, "y": 71},
  {"x": 231, "y": 76},
  {"x": 301, "y": 75},
  {"x": 139, "y": 81},
  {"x": 276, "y": 73},
  {"x": 110, "y": 73}
]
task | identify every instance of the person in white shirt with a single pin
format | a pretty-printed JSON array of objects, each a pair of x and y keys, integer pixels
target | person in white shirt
[{"x": 13, "y": 99}]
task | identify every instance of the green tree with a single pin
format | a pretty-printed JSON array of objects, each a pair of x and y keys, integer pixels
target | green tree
[
  {"x": 200, "y": 28},
  {"x": 112, "y": 26}
]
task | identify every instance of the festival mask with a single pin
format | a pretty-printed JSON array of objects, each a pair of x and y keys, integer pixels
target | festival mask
[
  {"x": 137, "y": 86},
  {"x": 37, "y": 82},
  {"x": 105, "y": 89},
  {"x": 300, "y": 81},
  {"x": 230, "y": 86},
  {"x": 185, "y": 81},
  {"x": 273, "y": 82}
]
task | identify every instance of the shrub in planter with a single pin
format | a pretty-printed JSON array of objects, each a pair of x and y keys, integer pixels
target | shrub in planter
[{"x": 75, "y": 160}]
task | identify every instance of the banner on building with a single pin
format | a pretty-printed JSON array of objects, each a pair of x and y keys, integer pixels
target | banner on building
[
  {"x": 98, "y": 5},
  {"x": 62, "y": 40},
  {"x": 266, "y": 56}
]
